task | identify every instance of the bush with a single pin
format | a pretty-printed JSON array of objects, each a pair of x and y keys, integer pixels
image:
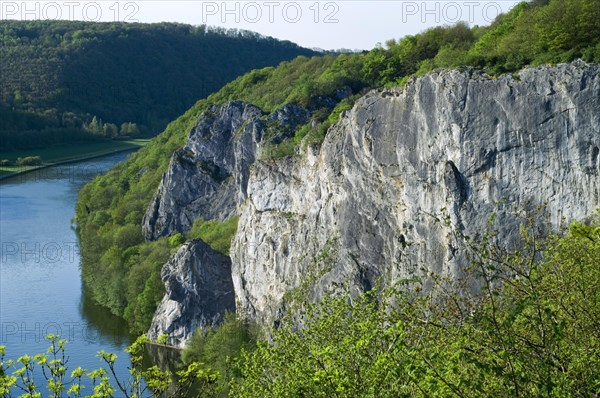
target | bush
[
  {"x": 29, "y": 161},
  {"x": 219, "y": 347},
  {"x": 217, "y": 234},
  {"x": 176, "y": 240}
]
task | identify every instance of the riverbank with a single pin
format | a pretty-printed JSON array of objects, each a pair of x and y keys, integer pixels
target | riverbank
[{"x": 67, "y": 155}]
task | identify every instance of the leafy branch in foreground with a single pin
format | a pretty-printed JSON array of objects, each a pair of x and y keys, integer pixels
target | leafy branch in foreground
[{"x": 194, "y": 380}]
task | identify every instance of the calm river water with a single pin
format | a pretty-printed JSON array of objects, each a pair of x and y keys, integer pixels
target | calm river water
[{"x": 40, "y": 284}]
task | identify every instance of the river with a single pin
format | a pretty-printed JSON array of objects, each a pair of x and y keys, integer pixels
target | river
[{"x": 40, "y": 285}]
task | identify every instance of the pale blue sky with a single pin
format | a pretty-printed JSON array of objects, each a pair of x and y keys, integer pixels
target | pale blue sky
[{"x": 354, "y": 24}]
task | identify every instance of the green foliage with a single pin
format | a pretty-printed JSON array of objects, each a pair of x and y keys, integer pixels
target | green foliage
[
  {"x": 61, "y": 78},
  {"x": 312, "y": 133},
  {"x": 162, "y": 339},
  {"x": 176, "y": 240},
  {"x": 345, "y": 349},
  {"x": 284, "y": 149},
  {"x": 534, "y": 34},
  {"x": 316, "y": 136},
  {"x": 129, "y": 130},
  {"x": 221, "y": 347},
  {"x": 533, "y": 331},
  {"x": 132, "y": 288},
  {"x": 270, "y": 88},
  {"x": 195, "y": 377},
  {"x": 217, "y": 234},
  {"x": 29, "y": 161}
]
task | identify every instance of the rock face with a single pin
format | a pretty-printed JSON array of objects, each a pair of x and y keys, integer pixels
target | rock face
[
  {"x": 209, "y": 176},
  {"x": 199, "y": 291},
  {"x": 365, "y": 205}
]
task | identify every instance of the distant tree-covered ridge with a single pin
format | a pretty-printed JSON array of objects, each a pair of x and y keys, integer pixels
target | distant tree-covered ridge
[
  {"x": 62, "y": 81},
  {"x": 123, "y": 272}
]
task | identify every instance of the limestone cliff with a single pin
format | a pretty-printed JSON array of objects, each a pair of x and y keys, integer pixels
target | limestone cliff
[
  {"x": 199, "y": 291},
  {"x": 364, "y": 205},
  {"x": 206, "y": 177}
]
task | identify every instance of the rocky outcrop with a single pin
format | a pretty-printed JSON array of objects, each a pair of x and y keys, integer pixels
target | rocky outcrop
[
  {"x": 208, "y": 177},
  {"x": 366, "y": 205},
  {"x": 199, "y": 292}
]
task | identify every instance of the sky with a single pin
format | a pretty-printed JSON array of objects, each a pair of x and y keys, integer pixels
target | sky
[{"x": 348, "y": 24}]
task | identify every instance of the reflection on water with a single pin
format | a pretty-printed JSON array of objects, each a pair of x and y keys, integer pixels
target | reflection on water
[
  {"x": 166, "y": 358},
  {"x": 106, "y": 325}
]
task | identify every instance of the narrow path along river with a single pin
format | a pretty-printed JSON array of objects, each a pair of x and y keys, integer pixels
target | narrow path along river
[{"x": 40, "y": 284}]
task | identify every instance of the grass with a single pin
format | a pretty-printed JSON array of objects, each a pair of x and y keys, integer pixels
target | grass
[{"x": 66, "y": 153}]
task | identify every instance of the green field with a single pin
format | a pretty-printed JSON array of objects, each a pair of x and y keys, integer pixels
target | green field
[{"x": 65, "y": 153}]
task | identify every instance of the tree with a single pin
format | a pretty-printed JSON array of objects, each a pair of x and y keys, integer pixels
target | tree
[
  {"x": 129, "y": 129},
  {"x": 95, "y": 126},
  {"x": 221, "y": 347},
  {"x": 110, "y": 130}
]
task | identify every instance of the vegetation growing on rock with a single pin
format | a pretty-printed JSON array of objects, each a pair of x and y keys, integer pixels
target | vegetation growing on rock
[{"x": 532, "y": 330}]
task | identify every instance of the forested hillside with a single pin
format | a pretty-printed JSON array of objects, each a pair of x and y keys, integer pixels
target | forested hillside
[
  {"x": 123, "y": 272},
  {"x": 62, "y": 81}
]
